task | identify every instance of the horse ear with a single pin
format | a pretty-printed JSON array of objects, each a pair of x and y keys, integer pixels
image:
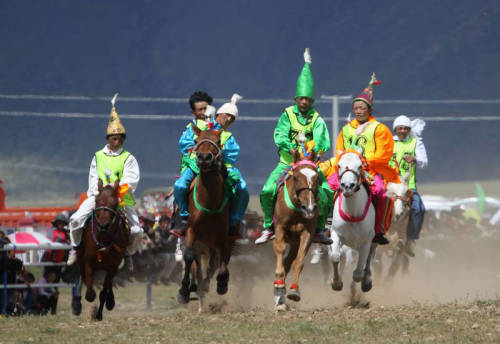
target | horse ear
[
  {"x": 99, "y": 185},
  {"x": 313, "y": 156},
  {"x": 296, "y": 155},
  {"x": 360, "y": 150},
  {"x": 218, "y": 132},
  {"x": 196, "y": 130},
  {"x": 116, "y": 184}
]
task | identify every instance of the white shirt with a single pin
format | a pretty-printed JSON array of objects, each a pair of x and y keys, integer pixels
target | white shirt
[
  {"x": 420, "y": 152},
  {"x": 131, "y": 173}
]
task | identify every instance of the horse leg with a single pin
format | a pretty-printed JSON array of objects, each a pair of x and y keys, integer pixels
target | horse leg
[
  {"x": 298, "y": 264},
  {"x": 290, "y": 257},
  {"x": 76, "y": 302},
  {"x": 279, "y": 247},
  {"x": 377, "y": 264},
  {"x": 90, "y": 294},
  {"x": 335, "y": 256},
  {"x": 366, "y": 282},
  {"x": 223, "y": 275},
  {"x": 395, "y": 264},
  {"x": 364, "y": 251},
  {"x": 189, "y": 257},
  {"x": 108, "y": 284},
  {"x": 193, "y": 287}
]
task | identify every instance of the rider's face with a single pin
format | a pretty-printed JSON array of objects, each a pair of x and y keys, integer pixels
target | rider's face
[
  {"x": 361, "y": 111},
  {"x": 199, "y": 109},
  {"x": 402, "y": 131},
  {"x": 304, "y": 103},
  {"x": 225, "y": 120},
  {"x": 115, "y": 142}
]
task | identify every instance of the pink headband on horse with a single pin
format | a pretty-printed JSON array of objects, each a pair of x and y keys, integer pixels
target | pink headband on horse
[{"x": 304, "y": 162}]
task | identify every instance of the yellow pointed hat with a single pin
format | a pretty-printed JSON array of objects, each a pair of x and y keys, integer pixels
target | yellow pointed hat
[{"x": 115, "y": 126}]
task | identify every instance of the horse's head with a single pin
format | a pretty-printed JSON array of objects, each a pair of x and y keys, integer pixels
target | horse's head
[
  {"x": 350, "y": 172},
  {"x": 208, "y": 149},
  {"x": 402, "y": 199},
  {"x": 305, "y": 183},
  {"x": 106, "y": 202}
]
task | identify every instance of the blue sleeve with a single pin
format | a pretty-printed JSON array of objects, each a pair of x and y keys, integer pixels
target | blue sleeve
[
  {"x": 231, "y": 150},
  {"x": 186, "y": 141}
]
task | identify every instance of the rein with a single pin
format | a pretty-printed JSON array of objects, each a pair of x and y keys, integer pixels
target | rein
[
  {"x": 208, "y": 210},
  {"x": 101, "y": 246}
]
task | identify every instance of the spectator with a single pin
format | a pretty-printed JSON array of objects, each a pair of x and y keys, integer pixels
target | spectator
[
  {"x": 165, "y": 244},
  {"x": 46, "y": 297},
  {"x": 148, "y": 228},
  {"x": 57, "y": 233}
]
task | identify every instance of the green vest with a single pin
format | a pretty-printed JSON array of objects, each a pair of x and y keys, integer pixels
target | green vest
[
  {"x": 365, "y": 140},
  {"x": 113, "y": 165},
  {"x": 200, "y": 123},
  {"x": 295, "y": 129},
  {"x": 402, "y": 148}
]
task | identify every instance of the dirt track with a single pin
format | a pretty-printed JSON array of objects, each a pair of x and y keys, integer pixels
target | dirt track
[{"x": 450, "y": 298}]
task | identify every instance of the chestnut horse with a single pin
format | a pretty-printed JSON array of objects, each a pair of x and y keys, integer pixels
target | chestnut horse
[
  {"x": 296, "y": 216},
  {"x": 105, "y": 238},
  {"x": 207, "y": 229}
]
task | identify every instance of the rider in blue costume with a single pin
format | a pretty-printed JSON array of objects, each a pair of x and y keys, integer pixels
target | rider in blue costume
[{"x": 225, "y": 116}]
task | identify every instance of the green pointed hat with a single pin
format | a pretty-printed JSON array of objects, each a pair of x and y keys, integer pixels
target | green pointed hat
[{"x": 305, "y": 82}]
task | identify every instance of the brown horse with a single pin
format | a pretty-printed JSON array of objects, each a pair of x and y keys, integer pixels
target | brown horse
[
  {"x": 207, "y": 230},
  {"x": 105, "y": 239},
  {"x": 296, "y": 216}
]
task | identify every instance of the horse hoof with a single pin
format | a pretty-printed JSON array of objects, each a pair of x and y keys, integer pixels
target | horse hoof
[
  {"x": 182, "y": 298},
  {"x": 337, "y": 285},
  {"x": 193, "y": 296},
  {"x": 366, "y": 286},
  {"x": 76, "y": 305},
  {"x": 222, "y": 281},
  {"x": 90, "y": 295},
  {"x": 279, "y": 292},
  {"x": 98, "y": 316},
  {"x": 294, "y": 295},
  {"x": 282, "y": 307},
  {"x": 357, "y": 278},
  {"x": 110, "y": 301}
]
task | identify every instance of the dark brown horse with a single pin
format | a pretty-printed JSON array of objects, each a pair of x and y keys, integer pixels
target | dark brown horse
[
  {"x": 105, "y": 238},
  {"x": 296, "y": 216},
  {"x": 208, "y": 223}
]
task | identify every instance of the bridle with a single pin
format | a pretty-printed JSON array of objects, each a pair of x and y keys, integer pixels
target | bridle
[
  {"x": 358, "y": 177},
  {"x": 112, "y": 211},
  {"x": 217, "y": 157}
]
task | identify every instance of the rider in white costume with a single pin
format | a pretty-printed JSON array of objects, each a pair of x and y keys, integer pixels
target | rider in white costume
[{"x": 111, "y": 158}]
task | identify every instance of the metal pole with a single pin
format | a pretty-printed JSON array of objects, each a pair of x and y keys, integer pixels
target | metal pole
[
  {"x": 149, "y": 284},
  {"x": 335, "y": 121},
  {"x": 4, "y": 294}
]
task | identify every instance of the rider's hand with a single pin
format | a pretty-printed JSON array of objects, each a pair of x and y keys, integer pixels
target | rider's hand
[{"x": 409, "y": 159}]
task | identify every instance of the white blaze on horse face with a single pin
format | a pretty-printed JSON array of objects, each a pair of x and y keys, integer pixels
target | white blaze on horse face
[
  {"x": 309, "y": 173},
  {"x": 349, "y": 161}
]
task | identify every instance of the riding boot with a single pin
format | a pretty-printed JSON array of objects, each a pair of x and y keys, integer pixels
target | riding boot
[
  {"x": 322, "y": 238},
  {"x": 266, "y": 235},
  {"x": 180, "y": 231},
  {"x": 380, "y": 239},
  {"x": 408, "y": 248},
  {"x": 73, "y": 253},
  {"x": 234, "y": 231}
]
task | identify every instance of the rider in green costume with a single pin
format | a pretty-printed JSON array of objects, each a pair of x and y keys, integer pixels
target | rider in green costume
[{"x": 300, "y": 118}]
